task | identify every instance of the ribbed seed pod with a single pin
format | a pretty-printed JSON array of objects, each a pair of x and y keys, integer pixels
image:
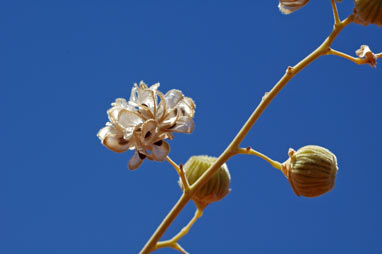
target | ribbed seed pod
[
  {"x": 368, "y": 12},
  {"x": 311, "y": 170},
  {"x": 217, "y": 186}
]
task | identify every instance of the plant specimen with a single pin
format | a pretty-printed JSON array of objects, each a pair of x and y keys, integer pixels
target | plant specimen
[{"x": 149, "y": 117}]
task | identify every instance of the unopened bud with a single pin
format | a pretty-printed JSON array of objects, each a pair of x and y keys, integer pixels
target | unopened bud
[
  {"x": 216, "y": 188},
  {"x": 311, "y": 170},
  {"x": 368, "y": 12}
]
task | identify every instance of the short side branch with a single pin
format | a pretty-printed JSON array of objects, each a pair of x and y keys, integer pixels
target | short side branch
[
  {"x": 335, "y": 12},
  {"x": 356, "y": 60},
  {"x": 250, "y": 151},
  {"x": 173, "y": 242},
  {"x": 180, "y": 171}
]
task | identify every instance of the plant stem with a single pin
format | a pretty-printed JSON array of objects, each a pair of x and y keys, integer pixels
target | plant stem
[
  {"x": 173, "y": 241},
  {"x": 173, "y": 164},
  {"x": 355, "y": 60},
  {"x": 234, "y": 145},
  {"x": 335, "y": 12},
  {"x": 250, "y": 151},
  {"x": 180, "y": 171}
]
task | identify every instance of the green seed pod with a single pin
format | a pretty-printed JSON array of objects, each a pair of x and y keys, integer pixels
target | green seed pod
[
  {"x": 216, "y": 188},
  {"x": 311, "y": 170},
  {"x": 368, "y": 12}
]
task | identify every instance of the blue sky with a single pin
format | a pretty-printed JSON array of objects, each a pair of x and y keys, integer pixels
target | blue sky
[{"x": 63, "y": 62}]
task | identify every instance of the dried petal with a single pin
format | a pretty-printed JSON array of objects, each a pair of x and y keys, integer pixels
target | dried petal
[
  {"x": 113, "y": 139},
  {"x": 289, "y": 6},
  {"x": 184, "y": 124},
  {"x": 134, "y": 95},
  {"x": 365, "y": 52},
  {"x": 120, "y": 102},
  {"x": 149, "y": 132},
  {"x": 128, "y": 119},
  {"x": 169, "y": 121},
  {"x": 172, "y": 98},
  {"x": 118, "y": 105},
  {"x": 155, "y": 86},
  {"x": 136, "y": 160},
  {"x": 186, "y": 108},
  {"x": 160, "y": 149},
  {"x": 146, "y": 97},
  {"x": 162, "y": 108}
]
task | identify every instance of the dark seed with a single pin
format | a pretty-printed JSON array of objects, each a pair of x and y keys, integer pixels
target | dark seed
[
  {"x": 141, "y": 156},
  {"x": 123, "y": 141},
  {"x": 158, "y": 143},
  {"x": 172, "y": 126}
]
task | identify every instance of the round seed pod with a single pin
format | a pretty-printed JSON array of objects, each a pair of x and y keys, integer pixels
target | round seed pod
[
  {"x": 311, "y": 170},
  {"x": 216, "y": 188},
  {"x": 368, "y": 12}
]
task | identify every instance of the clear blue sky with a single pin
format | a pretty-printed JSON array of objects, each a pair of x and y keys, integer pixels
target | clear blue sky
[{"x": 63, "y": 62}]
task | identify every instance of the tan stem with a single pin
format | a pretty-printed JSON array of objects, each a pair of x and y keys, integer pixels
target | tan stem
[
  {"x": 335, "y": 12},
  {"x": 174, "y": 241},
  {"x": 180, "y": 171},
  {"x": 250, "y": 151},
  {"x": 355, "y": 60}
]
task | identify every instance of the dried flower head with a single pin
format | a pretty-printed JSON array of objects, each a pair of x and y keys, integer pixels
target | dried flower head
[
  {"x": 143, "y": 122},
  {"x": 365, "y": 52},
  {"x": 216, "y": 188},
  {"x": 368, "y": 12},
  {"x": 311, "y": 170}
]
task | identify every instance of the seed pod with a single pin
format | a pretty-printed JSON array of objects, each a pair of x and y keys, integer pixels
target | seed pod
[
  {"x": 216, "y": 188},
  {"x": 368, "y": 12},
  {"x": 311, "y": 170}
]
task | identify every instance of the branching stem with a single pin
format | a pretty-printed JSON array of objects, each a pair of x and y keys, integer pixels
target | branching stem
[
  {"x": 180, "y": 171},
  {"x": 173, "y": 164},
  {"x": 174, "y": 241},
  {"x": 232, "y": 149},
  {"x": 355, "y": 60}
]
